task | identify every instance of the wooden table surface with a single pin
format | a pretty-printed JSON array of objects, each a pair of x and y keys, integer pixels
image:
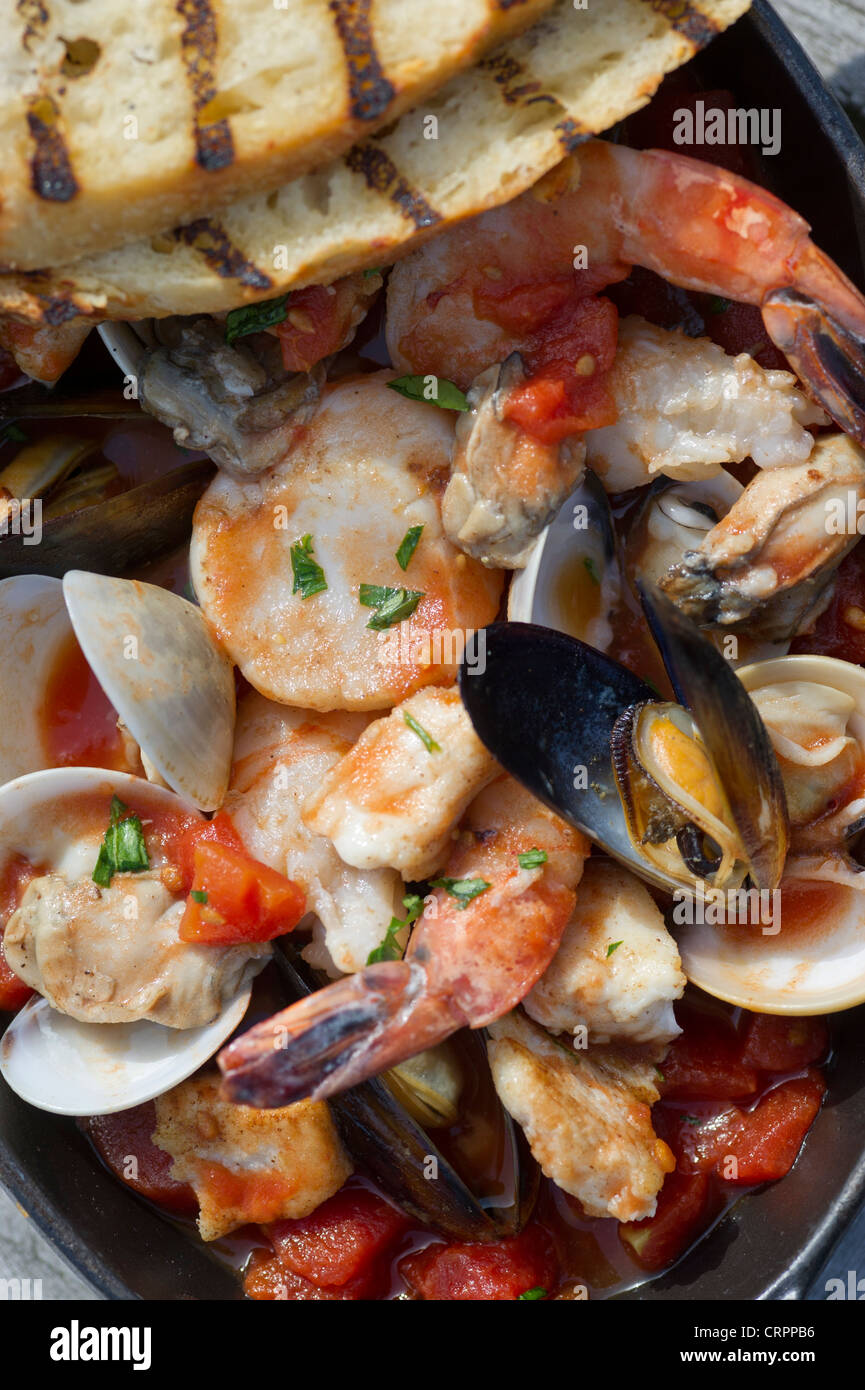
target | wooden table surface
[{"x": 832, "y": 32}]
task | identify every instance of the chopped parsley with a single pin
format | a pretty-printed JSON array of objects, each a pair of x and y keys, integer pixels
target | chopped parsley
[
  {"x": 426, "y": 739},
  {"x": 407, "y": 546},
  {"x": 123, "y": 849},
  {"x": 463, "y": 889},
  {"x": 532, "y": 859},
  {"x": 532, "y": 1295},
  {"x": 592, "y": 572},
  {"x": 252, "y": 318},
  {"x": 416, "y": 388},
  {"x": 199, "y": 895},
  {"x": 390, "y": 948},
  {"x": 308, "y": 574},
  {"x": 367, "y": 274},
  {"x": 391, "y": 605},
  {"x": 717, "y": 305},
  {"x": 613, "y": 946},
  {"x": 12, "y": 434}
]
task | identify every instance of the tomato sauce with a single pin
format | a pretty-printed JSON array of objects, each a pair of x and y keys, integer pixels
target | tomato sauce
[{"x": 79, "y": 723}]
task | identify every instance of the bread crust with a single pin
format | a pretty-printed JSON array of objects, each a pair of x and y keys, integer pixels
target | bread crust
[
  {"x": 116, "y": 119},
  {"x": 500, "y": 127}
]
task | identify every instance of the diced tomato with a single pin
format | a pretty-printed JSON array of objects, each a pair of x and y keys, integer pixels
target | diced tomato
[
  {"x": 218, "y": 831},
  {"x": 569, "y": 358},
  {"x": 317, "y": 322},
  {"x": 240, "y": 898},
  {"x": 684, "y": 1209},
  {"x": 745, "y": 1147},
  {"x": 704, "y": 1062},
  {"x": 483, "y": 1273},
  {"x": 774, "y": 1043},
  {"x": 840, "y": 630},
  {"x": 268, "y": 1279},
  {"x": 124, "y": 1142},
  {"x": 342, "y": 1239}
]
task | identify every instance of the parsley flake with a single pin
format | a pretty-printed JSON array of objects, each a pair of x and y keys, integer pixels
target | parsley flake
[
  {"x": 123, "y": 849},
  {"x": 532, "y": 1295},
  {"x": 407, "y": 546},
  {"x": 431, "y": 389},
  {"x": 532, "y": 859},
  {"x": 613, "y": 946},
  {"x": 252, "y": 318},
  {"x": 390, "y": 948},
  {"x": 308, "y": 574},
  {"x": 463, "y": 889},
  {"x": 391, "y": 605},
  {"x": 426, "y": 739}
]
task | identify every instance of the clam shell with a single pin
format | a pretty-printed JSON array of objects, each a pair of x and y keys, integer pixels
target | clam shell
[{"x": 173, "y": 688}]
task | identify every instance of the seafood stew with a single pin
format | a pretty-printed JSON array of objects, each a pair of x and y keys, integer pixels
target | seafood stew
[{"x": 498, "y": 1222}]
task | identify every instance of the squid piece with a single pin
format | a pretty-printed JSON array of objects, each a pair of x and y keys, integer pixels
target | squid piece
[{"x": 394, "y": 799}]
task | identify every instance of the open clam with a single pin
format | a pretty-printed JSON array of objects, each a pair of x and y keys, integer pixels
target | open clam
[
  {"x": 71, "y": 1055},
  {"x": 571, "y": 579},
  {"x": 155, "y": 659},
  {"x": 807, "y": 954},
  {"x": 173, "y": 688}
]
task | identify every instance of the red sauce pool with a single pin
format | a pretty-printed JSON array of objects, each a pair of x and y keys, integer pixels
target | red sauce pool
[{"x": 79, "y": 723}]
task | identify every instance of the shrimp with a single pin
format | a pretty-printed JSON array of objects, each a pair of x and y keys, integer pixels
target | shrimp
[
  {"x": 481, "y": 291},
  {"x": 488, "y": 932},
  {"x": 43, "y": 351}
]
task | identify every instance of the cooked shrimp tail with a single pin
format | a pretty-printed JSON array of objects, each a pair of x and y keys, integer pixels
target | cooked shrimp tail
[
  {"x": 355, "y": 1028},
  {"x": 823, "y": 352}
]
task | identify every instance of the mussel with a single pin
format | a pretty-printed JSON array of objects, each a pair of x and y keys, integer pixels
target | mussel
[{"x": 578, "y": 704}]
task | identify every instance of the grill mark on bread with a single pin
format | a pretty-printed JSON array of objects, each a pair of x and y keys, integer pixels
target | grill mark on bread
[
  {"x": 51, "y": 175},
  {"x": 515, "y": 82},
  {"x": 227, "y": 260},
  {"x": 687, "y": 20},
  {"x": 35, "y": 16},
  {"x": 214, "y": 146},
  {"x": 572, "y": 133},
  {"x": 382, "y": 175},
  {"x": 370, "y": 92}
]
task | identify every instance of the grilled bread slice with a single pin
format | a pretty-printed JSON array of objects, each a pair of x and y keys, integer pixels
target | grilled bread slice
[
  {"x": 479, "y": 141},
  {"x": 118, "y": 119}
]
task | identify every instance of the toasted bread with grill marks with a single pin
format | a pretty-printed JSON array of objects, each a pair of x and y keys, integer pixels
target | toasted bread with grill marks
[
  {"x": 118, "y": 119},
  {"x": 498, "y": 128}
]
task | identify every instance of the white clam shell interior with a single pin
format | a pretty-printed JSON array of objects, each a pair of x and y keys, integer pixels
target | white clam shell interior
[
  {"x": 546, "y": 590},
  {"x": 72, "y": 1068},
  {"x": 154, "y": 657},
  {"x": 49, "y": 1059},
  {"x": 34, "y": 628},
  {"x": 818, "y": 964}
]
